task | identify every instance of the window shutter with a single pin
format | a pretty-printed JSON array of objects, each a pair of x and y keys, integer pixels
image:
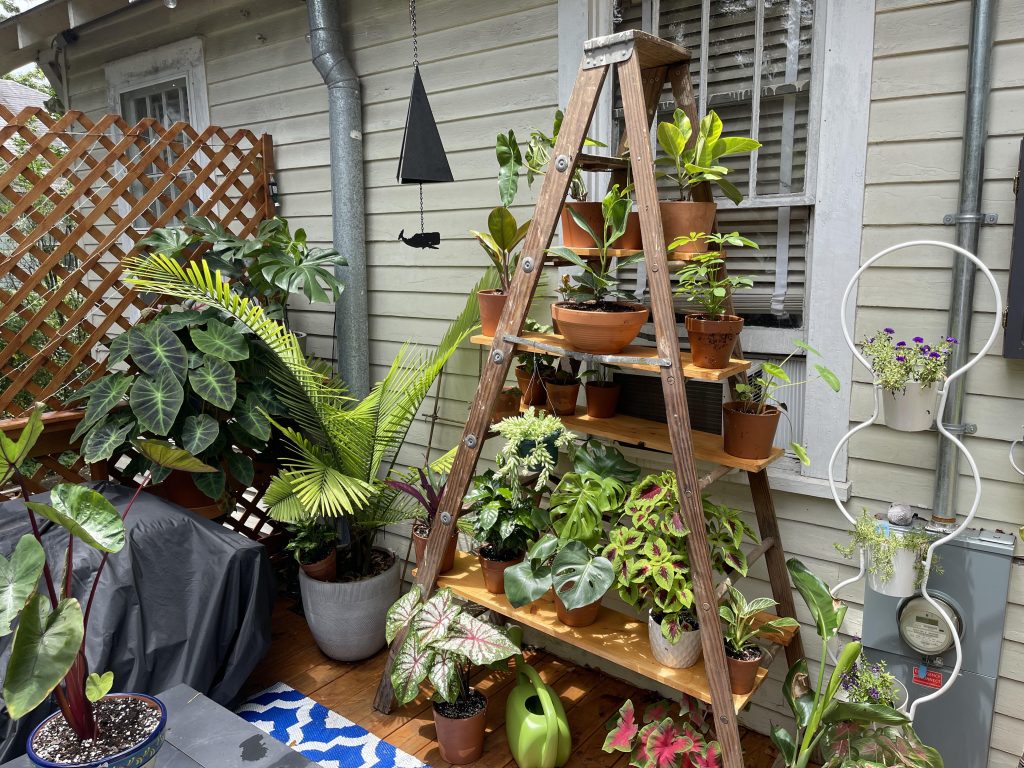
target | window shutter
[{"x": 1013, "y": 335}]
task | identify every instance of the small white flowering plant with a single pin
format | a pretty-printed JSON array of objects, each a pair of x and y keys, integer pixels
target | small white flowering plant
[{"x": 897, "y": 363}]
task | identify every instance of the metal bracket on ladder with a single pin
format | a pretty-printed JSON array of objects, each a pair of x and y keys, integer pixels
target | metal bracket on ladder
[
  {"x": 587, "y": 356},
  {"x": 610, "y": 49}
]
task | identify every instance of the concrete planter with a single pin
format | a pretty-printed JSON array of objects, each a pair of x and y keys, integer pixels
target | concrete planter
[{"x": 347, "y": 618}]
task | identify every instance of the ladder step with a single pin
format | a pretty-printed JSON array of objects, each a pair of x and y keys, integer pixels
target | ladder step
[
  {"x": 586, "y": 161},
  {"x": 595, "y": 253},
  {"x": 636, "y": 356}
]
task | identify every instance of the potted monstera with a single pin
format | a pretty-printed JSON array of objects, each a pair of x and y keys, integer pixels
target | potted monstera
[
  {"x": 442, "y": 643},
  {"x": 92, "y": 726}
]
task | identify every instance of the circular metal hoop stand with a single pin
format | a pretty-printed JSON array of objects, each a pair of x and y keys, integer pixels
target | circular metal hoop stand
[
  {"x": 943, "y": 393},
  {"x": 1014, "y": 464}
]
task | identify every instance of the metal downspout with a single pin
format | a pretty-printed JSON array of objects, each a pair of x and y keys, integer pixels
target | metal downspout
[
  {"x": 347, "y": 204},
  {"x": 972, "y": 171}
]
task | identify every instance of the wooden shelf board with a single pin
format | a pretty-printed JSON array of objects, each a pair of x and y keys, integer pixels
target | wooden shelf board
[
  {"x": 690, "y": 370},
  {"x": 614, "y": 637},
  {"x": 588, "y": 161},
  {"x": 593, "y": 253}
]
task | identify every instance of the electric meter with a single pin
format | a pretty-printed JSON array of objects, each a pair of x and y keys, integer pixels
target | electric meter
[{"x": 924, "y": 629}]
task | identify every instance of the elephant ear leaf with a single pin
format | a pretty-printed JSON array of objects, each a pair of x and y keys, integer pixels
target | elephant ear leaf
[
  {"x": 210, "y": 483},
  {"x": 105, "y": 438},
  {"x": 19, "y": 578},
  {"x": 165, "y": 455},
  {"x": 154, "y": 348},
  {"x": 44, "y": 648},
  {"x": 214, "y": 381},
  {"x": 199, "y": 432},
  {"x": 220, "y": 340},
  {"x": 98, "y": 686},
  {"x": 14, "y": 452},
  {"x": 86, "y": 514},
  {"x": 156, "y": 400},
  {"x": 105, "y": 394}
]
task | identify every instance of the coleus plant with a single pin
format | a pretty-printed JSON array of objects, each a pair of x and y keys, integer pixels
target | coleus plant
[
  {"x": 51, "y": 627},
  {"x": 660, "y": 740},
  {"x": 442, "y": 643}
]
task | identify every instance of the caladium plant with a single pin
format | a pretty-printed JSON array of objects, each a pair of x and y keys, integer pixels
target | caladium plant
[
  {"x": 664, "y": 741},
  {"x": 441, "y": 644}
]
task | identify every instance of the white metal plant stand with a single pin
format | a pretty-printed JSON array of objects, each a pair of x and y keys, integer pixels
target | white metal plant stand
[{"x": 942, "y": 428}]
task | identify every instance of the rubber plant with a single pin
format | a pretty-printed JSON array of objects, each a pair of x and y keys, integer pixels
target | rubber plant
[
  {"x": 50, "y": 628},
  {"x": 661, "y": 740}
]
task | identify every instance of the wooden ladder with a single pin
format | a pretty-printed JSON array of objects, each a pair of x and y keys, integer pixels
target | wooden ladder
[{"x": 644, "y": 63}]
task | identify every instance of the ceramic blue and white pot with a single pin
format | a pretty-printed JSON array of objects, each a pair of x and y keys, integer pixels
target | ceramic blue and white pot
[{"x": 142, "y": 755}]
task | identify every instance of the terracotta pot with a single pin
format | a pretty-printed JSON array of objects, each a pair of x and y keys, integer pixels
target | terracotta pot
[
  {"x": 681, "y": 218},
  {"x": 631, "y": 238},
  {"x": 749, "y": 435},
  {"x": 448, "y": 561},
  {"x": 461, "y": 740},
  {"x": 561, "y": 398},
  {"x": 506, "y": 404},
  {"x": 577, "y": 617},
  {"x": 531, "y": 386},
  {"x": 712, "y": 341},
  {"x": 494, "y": 573},
  {"x": 742, "y": 674},
  {"x": 323, "y": 570},
  {"x": 181, "y": 490},
  {"x": 573, "y": 235},
  {"x": 492, "y": 304},
  {"x": 600, "y": 333},
  {"x": 602, "y": 398}
]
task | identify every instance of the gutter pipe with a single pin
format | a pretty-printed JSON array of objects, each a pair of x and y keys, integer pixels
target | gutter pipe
[
  {"x": 968, "y": 225},
  {"x": 344, "y": 111}
]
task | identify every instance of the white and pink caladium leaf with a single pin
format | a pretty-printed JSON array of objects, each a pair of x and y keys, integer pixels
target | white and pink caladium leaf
[
  {"x": 658, "y": 711},
  {"x": 410, "y": 668},
  {"x": 444, "y": 676},
  {"x": 623, "y": 730},
  {"x": 477, "y": 641},
  {"x": 667, "y": 743},
  {"x": 403, "y": 612},
  {"x": 433, "y": 621}
]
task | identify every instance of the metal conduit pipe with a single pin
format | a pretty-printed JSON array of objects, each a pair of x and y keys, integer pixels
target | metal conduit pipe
[
  {"x": 345, "y": 119},
  {"x": 968, "y": 225}
]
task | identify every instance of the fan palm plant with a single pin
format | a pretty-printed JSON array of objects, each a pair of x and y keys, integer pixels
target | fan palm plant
[{"x": 342, "y": 448}]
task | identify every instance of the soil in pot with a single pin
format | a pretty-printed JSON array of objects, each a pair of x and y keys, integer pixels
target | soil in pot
[
  {"x": 743, "y": 669},
  {"x": 461, "y": 728},
  {"x": 125, "y": 722},
  {"x": 749, "y": 435},
  {"x": 420, "y": 534},
  {"x": 602, "y": 398},
  {"x": 603, "y": 329},
  {"x": 493, "y": 566},
  {"x": 680, "y": 218},
  {"x": 506, "y": 405},
  {"x": 573, "y": 235},
  {"x": 531, "y": 386},
  {"x": 492, "y": 304},
  {"x": 561, "y": 398},
  {"x": 712, "y": 340},
  {"x": 324, "y": 569},
  {"x": 583, "y": 616}
]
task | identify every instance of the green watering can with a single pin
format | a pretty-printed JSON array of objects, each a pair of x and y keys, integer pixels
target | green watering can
[{"x": 538, "y": 731}]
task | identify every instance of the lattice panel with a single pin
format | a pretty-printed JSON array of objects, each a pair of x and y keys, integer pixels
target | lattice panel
[{"x": 76, "y": 196}]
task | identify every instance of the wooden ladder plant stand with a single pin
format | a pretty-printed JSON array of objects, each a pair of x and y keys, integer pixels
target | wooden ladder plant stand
[{"x": 644, "y": 63}]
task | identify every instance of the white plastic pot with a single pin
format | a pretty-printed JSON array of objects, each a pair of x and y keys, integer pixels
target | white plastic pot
[
  {"x": 904, "y": 565},
  {"x": 912, "y": 410},
  {"x": 681, "y": 655}
]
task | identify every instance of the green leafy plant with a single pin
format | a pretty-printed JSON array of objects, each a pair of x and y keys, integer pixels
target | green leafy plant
[
  {"x": 268, "y": 267},
  {"x": 499, "y": 242},
  {"x": 441, "y": 644},
  {"x": 312, "y": 540},
  {"x": 503, "y": 523},
  {"x": 596, "y": 283},
  {"x": 538, "y": 156},
  {"x": 718, "y": 239},
  {"x": 662, "y": 740},
  {"x": 700, "y": 162},
  {"x": 703, "y": 282},
  {"x": 427, "y": 490},
  {"x": 191, "y": 378},
  {"x": 870, "y": 683},
  {"x": 578, "y": 575},
  {"x": 875, "y": 538},
  {"x": 742, "y": 624},
  {"x": 531, "y": 445},
  {"x": 50, "y": 629},
  {"x": 852, "y": 744},
  {"x": 898, "y": 363},
  {"x": 341, "y": 447}
]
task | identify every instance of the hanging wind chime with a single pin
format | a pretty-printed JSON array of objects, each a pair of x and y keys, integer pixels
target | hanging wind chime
[{"x": 422, "y": 159}]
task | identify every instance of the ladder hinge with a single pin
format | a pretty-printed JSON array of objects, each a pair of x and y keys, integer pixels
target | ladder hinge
[{"x": 611, "y": 49}]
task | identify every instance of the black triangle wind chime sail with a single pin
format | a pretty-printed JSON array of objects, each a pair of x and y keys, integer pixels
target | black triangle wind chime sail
[{"x": 422, "y": 160}]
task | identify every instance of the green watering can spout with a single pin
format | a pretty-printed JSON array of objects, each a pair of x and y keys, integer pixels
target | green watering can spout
[{"x": 535, "y": 721}]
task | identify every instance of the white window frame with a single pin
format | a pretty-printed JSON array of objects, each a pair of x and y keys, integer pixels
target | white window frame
[{"x": 841, "y": 94}]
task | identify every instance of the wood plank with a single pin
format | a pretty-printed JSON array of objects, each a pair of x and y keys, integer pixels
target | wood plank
[
  {"x": 690, "y": 370},
  {"x": 614, "y": 637},
  {"x": 594, "y": 253}
]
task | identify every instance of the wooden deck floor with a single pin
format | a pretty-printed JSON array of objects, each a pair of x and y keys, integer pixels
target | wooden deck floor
[{"x": 590, "y": 698}]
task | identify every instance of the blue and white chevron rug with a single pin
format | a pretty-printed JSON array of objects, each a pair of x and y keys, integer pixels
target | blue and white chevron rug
[{"x": 323, "y": 736}]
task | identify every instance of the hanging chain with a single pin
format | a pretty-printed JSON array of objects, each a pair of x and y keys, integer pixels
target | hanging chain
[
  {"x": 423, "y": 227},
  {"x": 415, "y": 41}
]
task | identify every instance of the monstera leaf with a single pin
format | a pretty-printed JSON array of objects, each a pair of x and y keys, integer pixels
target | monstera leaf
[
  {"x": 154, "y": 348},
  {"x": 221, "y": 340},
  {"x": 44, "y": 648},
  {"x": 604, "y": 460},
  {"x": 156, "y": 400},
  {"x": 103, "y": 396},
  {"x": 579, "y": 503},
  {"x": 19, "y": 577},
  {"x": 214, "y": 381},
  {"x": 86, "y": 514},
  {"x": 169, "y": 457},
  {"x": 106, "y": 437},
  {"x": 199, "y": 432},
  {"x": 579, "y": 577}
]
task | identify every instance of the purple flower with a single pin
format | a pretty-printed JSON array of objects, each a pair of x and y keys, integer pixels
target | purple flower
[
  {"x": 935, "y": 355},
  {"x": 926, "y": 348},
  {"x": 900, "y": 359},
  {"x": 871, "y": 340},
  {"x": 918, "y": 340},
  {"x": 952, "y": 340},
  {"x": 901, "y": 343},
  {"x": 890, "y": 331}
]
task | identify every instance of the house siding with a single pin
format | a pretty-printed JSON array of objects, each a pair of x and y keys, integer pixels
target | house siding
[{"x": 489, "y": 67}]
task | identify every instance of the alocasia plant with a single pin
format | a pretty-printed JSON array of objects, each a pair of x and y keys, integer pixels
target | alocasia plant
[
  {"x": 442, "y": 644},
  {"x": 664, "y": 741}
]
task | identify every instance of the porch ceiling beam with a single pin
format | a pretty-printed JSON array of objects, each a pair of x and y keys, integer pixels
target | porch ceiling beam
[{"x": 40, "y": 26}]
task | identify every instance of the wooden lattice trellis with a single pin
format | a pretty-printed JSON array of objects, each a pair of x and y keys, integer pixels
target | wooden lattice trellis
[{"x": 76, "y": 196}]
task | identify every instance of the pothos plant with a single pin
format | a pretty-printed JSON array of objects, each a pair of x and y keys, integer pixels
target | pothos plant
[
  {"x": 191, "y": 377},
  {"x": 442, "y": 643},
  {"x": 875, "y": 538},
  {"x": 50, "y": 628},
  {"x": 531, "y": 445},
  {"x": 503, "y": 523},
  {"x": 661, "y": 740},
  {"x": 741, "y": 623}
]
